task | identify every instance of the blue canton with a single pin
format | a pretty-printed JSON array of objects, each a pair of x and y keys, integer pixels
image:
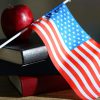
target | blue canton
[{"x": 71, "y": 32}]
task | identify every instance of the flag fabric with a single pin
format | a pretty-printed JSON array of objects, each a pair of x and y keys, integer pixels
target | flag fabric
[{"x": 73, "y": 52}]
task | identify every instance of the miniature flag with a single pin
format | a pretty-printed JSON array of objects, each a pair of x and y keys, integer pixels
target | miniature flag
[{"x": 73, "y": 52}]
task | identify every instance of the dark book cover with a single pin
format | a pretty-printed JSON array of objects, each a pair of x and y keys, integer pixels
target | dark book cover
[
  {"x": 25, "y": 52},
  {"x": 29, "y": 86},
  {"x": 40, "y": 68}
]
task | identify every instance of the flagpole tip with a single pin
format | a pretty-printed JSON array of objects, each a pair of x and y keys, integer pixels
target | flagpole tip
[{"x": 66, "y": 1}]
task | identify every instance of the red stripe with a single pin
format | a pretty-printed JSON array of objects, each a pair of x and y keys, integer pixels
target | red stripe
[
  {"x": 95, "y": 43},
  {"x": 73, "y": 61},
  {"x": 91, "y": 57},
  {"x": 92, "y": 49},
  {"x": 93, "y": 60},
  {"x": 90, "y": 69},
  {"x": 88, "y": 65},
  {"x": 67, "y": 78},
  {"x": 64, "y": 63}
]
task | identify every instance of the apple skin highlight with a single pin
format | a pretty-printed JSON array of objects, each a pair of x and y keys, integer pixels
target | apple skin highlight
[{"x": 16, "y": 18}]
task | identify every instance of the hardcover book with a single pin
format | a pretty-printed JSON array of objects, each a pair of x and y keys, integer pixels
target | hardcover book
[
  {"x": 28, "y": 86},
  {"x": 24, "y": 53},
  {"x": 40, "y": 68}
]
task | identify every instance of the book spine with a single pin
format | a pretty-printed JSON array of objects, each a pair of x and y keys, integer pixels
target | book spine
[
  {"x": 41, "y": 68},
  {"x": 35, "y": 55},
  {"x": 36, "y": 85}
]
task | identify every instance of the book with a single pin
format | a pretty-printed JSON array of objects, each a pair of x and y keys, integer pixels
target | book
[
  {"x": 24, "y": 53},
  {"x": 29, "y": 86},
  {"x": 40, "y": 68}
]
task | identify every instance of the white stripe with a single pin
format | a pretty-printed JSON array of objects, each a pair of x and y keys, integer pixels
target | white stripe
[
  {"x": 91, "y": 53},
  {"x": 93, "y": 46},
  {"x": 61, "y": 65},
  {"x": 73, "y": 56},
  {"x": 89, "y": 61},
  {"x": 67, "y": 60},
  {"x": 92, "y": 65}
]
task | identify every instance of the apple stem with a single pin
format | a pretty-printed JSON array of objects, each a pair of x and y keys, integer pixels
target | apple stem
[
  {"x": 66, "y": 1},
  {"x": 12, "y": 38}
]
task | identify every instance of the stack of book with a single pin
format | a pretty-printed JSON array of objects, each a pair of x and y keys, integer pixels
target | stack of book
[{"x": 29, "y": 67}]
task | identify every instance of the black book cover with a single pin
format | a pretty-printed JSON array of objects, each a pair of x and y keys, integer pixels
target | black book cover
[
  {"x": 44, "y": 67},
  {"x": 26, "y": 52}
]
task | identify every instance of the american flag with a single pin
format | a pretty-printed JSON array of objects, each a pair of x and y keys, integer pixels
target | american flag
[{"x": 73, "y": 52}]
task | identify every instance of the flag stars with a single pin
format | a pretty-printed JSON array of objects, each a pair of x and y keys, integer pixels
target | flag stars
[
  {"x": 57, "y": 14},
  {"x": 61, "y": 28},
  {"x": 64, "y": 7},
  {"x": 83, "y": 36},
  {"x": 61, "y": 15},
  {"x": 64, "y": 14},
  {"x": 87, "y": 37},
  {"x": 58, "y": 26},
  {"x": 69, "y": 25},
  {"x": 61, "y": 20},
  {"x": 71, "y": 32},
  {"x": 77, "y": 26},
  {"x": 64, "y": 10},
  {"x": 82, "y": 31},
  {"x": 61, "y": 24},
  {"x": 66, "y": 41},
  {"x": 73, "y": 28},
  {"x": 79, "y": 42},
  {"x": 58, "y": 17},
  {"x": 61, "y": 33},
  {"x": 65, "y": 36},
  {"x": 70, "y": 47},
  {"x": 72, "y": 19},
  {"x": 68, "y": 17},
  {"x": 57, "y": 21},
  {"x": 60, "y": 11},
  {"x": 74, "y": 44},
  {"x": 74, "y": 36},
  {"x": 69, "y": 38},
  {"x": 65, "y": 27},
  {"x": 65, "y": 23},
  {"x": 52, "y": 15},
  {"x": 82, "y": 39},
  {"x": 65, "y": 18},
  {"x": 78, "y": 38},
  {"x": 68, "y": 13},
  {"x": 70, "y": 43},
  {"x": 68, "y": 21},
  {"x": 54, "y": 19},
  {"x": 77, "y": 30},
  {"x": 74, "y": 41},
  {"x": 78, "y": 34},
  {"x": 73, "y": 24}
]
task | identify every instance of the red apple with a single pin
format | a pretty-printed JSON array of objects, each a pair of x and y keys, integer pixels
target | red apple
[{"x": 16, "y": 18}]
